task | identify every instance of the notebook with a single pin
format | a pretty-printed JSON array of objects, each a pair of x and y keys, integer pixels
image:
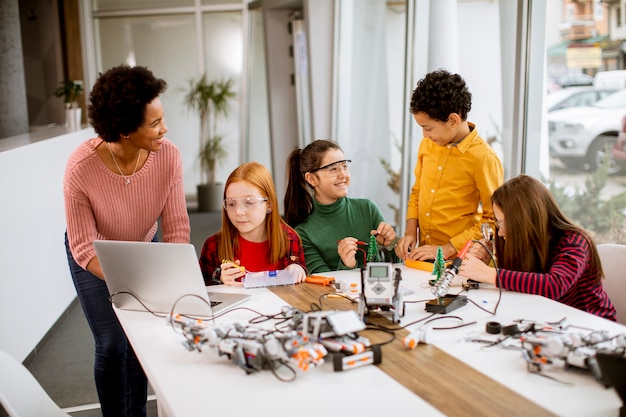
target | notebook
[{"x": 159, "y": 274}]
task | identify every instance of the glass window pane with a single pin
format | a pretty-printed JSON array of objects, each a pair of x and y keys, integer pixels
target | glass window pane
[
  {"x": 258, "y": 129},
  {"x": 370, "y": 98},
  {"x": 585, "y": 178},
  {"x": 216, "y": 2},
  {"x": 223, "y": 42},
  {"x": 166, "y": 45},
  {"x": 223, "y": 39},
  {"x": 475, "y": 39},
  {"x": 150, "y": 41},
  {"x": 108, "y": 5}
]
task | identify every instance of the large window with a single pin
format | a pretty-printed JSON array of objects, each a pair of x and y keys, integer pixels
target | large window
[
  {"x": 370, "y": 106},
  {"x": 179, "y": 41},
  {"x": 512, "y": 54},
  {"x": 584, "y": 56}
]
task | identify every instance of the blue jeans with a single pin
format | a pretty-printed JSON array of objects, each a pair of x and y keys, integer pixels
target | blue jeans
[{"x": 120, "y": 381}]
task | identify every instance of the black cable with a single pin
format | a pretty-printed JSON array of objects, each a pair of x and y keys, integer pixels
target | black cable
[
  {"x": 409, "y": 324},
  {"x": 481, "y": 307},
  {"x": 208, "y": 303},
  {"x": 450, "y": 327},
  {"x": 280, "y": 378},
  {"x": 138, "y": 300},
  {"x": 497, "y": 283},
  {"x": 333, "y": 294},
  {"x": 261, "y": 318},
  {"x": 375, "y": 327}
]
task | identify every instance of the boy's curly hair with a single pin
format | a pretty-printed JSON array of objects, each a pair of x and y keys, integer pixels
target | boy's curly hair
[
  {"x": 117, "y": 103},
  {"x": 441, "y": 93}
]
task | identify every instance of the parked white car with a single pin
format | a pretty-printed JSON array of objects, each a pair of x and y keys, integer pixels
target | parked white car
[
  {"x": 580, "y": 136},
  {"x": 575, "y": 97},
  {"x": 610, "y": 79}
]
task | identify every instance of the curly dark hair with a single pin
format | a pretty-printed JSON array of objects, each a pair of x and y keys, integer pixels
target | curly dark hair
[
  {"x": 117, "y": 103},
  {"x": 441, "y": 93}
]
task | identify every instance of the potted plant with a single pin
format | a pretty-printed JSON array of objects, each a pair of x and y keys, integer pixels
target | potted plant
[
  {"x": 211, "y": 99},
  {"x": 70, "y": 91}
]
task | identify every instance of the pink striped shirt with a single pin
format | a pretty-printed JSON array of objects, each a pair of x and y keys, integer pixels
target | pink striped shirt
[
  {"x": 569, "y": 279},
  {"x": 100, "y": 206}
]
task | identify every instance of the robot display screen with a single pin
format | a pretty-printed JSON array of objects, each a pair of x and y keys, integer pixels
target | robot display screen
[{"x": 378, "y": 272}]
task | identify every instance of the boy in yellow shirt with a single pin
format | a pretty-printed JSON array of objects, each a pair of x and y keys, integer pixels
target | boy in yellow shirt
[{"x": 456, "y": 172}]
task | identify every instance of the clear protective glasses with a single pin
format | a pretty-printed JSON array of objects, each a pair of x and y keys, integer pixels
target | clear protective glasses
[
  {"x": 246, "y": 203},
  {"x": 332, "y": 170}
]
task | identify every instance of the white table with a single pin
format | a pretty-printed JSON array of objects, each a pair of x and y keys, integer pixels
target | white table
[
  {"x": 586, "y": 398},
  {"x": 187, "y": 383},
  {"x": 192, "y": 383}
]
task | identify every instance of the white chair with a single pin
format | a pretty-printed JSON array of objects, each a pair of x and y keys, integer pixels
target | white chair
[
  {"x": 21, "y": 394},
  {"x": 613, "y": 259}
]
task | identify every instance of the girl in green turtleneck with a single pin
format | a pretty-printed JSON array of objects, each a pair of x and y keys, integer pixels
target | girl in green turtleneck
[{"x": 334, "y": 227}]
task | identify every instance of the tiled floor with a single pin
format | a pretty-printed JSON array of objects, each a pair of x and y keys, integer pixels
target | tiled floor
[{"x": 63, "y": 363}]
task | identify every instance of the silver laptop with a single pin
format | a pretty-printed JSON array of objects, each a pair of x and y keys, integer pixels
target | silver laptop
[{"x": 159, "y": 275}]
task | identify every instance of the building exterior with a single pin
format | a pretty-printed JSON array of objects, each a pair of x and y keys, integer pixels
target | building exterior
[{"x": 587, "y": 42}]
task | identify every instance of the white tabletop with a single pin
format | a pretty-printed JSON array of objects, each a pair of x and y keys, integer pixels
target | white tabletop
[
  {"x": 196, "y": 383},
  {"x": 585, "y": 398},
  {"x": 189, "y": 382}
]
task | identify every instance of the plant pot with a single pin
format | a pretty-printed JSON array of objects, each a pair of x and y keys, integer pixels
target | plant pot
[
  {"x": 73, "y": 118},
  {"x": 210, "y": 197}
]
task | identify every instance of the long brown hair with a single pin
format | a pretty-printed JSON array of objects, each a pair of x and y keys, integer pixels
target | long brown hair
[
  {"x": 533, "y": 221},
  {"x": 259, "y": 177},
  {"x": 298, "y": 198}
]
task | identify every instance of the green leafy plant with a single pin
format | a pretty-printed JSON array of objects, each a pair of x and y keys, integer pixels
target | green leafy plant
[
  {"x": 70, "y": 91},
  {"x": 603, "y": 218},
  {"x": 212, "y": 100}
]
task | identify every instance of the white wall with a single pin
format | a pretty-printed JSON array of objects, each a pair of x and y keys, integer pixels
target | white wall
[{"x": 35, "y": 283}]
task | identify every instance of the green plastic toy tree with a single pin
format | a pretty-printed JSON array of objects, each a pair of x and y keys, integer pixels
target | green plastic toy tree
[
  {"x": 372, "y": 249},
  {"x": 440, "y": 264}
]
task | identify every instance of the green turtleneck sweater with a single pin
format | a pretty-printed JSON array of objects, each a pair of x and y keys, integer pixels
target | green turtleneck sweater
[{"x": 347, "y": 217}]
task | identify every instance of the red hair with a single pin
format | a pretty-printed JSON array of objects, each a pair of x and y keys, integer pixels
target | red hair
[{"x": 259, "y": 177}]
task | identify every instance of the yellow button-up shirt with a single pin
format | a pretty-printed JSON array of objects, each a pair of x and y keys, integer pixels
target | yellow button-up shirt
[{"x": 454, "y": 183}]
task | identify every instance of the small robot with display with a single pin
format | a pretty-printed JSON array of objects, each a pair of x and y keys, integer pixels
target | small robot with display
[{"x": 380, "y": 283}]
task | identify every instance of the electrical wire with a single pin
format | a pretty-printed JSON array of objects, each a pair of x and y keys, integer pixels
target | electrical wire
[
  {"x": 495, "y": 264},
  {"x": 279, "y": 377},
  {"x": 375, "y": 327},
  {"x": 139, "y": 300}
]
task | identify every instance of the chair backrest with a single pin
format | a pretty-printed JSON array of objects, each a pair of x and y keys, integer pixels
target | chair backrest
[
  {"x": 612, "y": 257},
  {"x": 20, "y": 393}
]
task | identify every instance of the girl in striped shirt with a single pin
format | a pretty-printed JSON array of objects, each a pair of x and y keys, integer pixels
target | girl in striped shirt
[{"x": 540, "y": 251}]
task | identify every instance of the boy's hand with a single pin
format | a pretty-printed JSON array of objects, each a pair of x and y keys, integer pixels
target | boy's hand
[
  {"x": 429, "y": 252},
  {"x": 405, "y": 245},
  {"x": 423, "y": 253}
]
